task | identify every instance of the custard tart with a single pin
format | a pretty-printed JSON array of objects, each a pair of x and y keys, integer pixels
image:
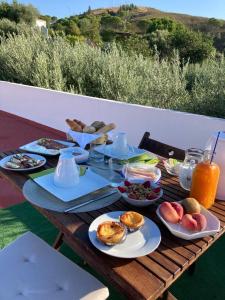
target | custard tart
[
  {"x": 111, "y": 233},
  {"x": 132, "y": 220}
]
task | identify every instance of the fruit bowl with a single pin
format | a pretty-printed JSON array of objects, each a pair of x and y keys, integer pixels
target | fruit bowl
[
  {"x": 212, "y": 227},
  {"x": 140, "y": 194}
]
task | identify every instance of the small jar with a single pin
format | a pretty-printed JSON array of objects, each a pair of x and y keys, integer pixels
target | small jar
[{"x": 193, "y": 156}]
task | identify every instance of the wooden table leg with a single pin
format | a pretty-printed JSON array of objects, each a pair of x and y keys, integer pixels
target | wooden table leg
[
  {"x": 58, "y": 241},
  {"x": 167, "y": 296},
  {"x": 192, "y": 269}
]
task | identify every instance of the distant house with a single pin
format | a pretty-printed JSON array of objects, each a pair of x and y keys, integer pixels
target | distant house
[{"x": 42, "y": 25}]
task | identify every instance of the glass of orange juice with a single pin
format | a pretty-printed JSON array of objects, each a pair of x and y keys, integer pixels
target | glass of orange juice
[{"x": 205, "y": 178}]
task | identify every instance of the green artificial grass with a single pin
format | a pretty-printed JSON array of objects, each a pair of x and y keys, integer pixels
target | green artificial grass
[{"x": 207, "y": 283}]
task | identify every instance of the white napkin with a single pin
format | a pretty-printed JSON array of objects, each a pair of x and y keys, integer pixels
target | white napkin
[{"x": 83, "y": 138}]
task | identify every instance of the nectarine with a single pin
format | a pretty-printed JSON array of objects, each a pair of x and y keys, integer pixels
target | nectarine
[
  {"x": 194, "y": 222},
  {"x": 171, "y": 211}
]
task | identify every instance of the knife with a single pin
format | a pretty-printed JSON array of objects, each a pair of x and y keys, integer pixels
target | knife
[{"x": 109, "y": 193}]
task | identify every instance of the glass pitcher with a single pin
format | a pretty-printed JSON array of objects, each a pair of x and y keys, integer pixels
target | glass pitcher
[
  {"x": 193, "y": 156},
  {"x": 120, "y": 144},
  {"x": 67, "y": 172}
]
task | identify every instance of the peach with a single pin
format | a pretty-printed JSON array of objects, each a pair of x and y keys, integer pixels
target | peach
[
  {"x": 171, "y": 211},
  {"x": 194, "y": 222}
]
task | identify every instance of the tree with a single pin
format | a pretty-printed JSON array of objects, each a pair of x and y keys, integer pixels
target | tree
[
  {"x": 90, "y": 28},
  {"x": 163, "y": 24},
  {"x": 135, "y": 44},
  {"x": 19, "y": 12}
]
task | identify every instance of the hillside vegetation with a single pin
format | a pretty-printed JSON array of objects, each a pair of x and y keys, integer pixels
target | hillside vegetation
[{"x": 99, "y": 53}]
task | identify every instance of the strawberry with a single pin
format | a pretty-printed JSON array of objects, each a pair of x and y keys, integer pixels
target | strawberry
[
  {"x": 150, "y": 196},
  {"x": 122, "y": 189},
  {"x": 157, "y": 190},
  {"x": 127, "y": 183},
  {"x": 147, "y": 184}
]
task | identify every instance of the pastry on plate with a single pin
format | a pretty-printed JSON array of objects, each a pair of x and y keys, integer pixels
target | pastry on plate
[
  {"x": 132, "y": 220},
  {"x": 111, "y": 233}
]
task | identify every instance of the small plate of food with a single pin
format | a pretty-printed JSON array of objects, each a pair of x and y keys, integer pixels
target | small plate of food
[
  {"x": 187, "y": 219},
  {"x": 110, "y": 234},
  {"x": 140, "y": 194},
  {"x": 22, "y": 162},
  {"x": 46, "y": 146},
  {"x": 141, "y": 172}
]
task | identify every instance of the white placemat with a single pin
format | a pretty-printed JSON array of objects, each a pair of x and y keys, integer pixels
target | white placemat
[{"x": 90, "y": 182}]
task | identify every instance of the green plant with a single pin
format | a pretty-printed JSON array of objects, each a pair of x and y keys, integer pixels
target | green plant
[{"x": 57, "y": 63}]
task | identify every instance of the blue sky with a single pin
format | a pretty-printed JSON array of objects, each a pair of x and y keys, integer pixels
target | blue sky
[{"x": 62, "y": 8}]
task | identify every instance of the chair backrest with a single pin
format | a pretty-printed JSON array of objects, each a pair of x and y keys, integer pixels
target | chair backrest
[{"x": 160, "y": 148}]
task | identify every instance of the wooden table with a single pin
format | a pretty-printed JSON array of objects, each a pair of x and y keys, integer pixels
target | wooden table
[{"x": 145, "y": 277}]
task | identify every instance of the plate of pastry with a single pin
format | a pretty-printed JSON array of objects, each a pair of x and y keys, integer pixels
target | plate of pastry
[
  {"x": 124, "y": 234},
  {"x": 46, "y": 146}
]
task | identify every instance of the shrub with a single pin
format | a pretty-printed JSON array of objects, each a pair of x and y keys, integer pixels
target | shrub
[{"x": 56, "y": 63}]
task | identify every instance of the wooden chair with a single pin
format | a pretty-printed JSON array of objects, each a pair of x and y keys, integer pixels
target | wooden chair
[{"x": 161, "y": 149}]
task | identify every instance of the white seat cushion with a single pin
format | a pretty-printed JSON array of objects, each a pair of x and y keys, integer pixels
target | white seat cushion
[{"x": 31, "y": 269}]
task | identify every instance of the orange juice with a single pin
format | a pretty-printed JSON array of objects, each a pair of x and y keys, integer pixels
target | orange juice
[{"x": 204, "y": 183}]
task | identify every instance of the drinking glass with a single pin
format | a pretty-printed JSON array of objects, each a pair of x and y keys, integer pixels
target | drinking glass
[
  {"x": 67, "y": 172},
  {"x": 95, "y": 155},
  {"x": 193, "y": 156},
  {"x": 116, "y": 176}
]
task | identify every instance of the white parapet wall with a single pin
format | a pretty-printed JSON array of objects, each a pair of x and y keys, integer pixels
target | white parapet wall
[{"x": 51, "y": 108}]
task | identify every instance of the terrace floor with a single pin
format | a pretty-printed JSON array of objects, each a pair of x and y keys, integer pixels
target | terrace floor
[{"x": 14, "y": 132}]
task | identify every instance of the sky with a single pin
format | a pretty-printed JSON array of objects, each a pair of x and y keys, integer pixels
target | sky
[{"x": 63, "y": 8}]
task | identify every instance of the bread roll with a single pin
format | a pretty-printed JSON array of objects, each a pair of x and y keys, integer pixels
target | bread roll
[
  {"x": 106, "y": 128},
  {"x": 89, "y": 129},
  {"x": 81, "y": 124},
  {"x": 73, "y": 125}
]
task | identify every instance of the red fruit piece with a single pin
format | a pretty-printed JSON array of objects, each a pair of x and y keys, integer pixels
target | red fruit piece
[
  {"x": 122, "y": 189},
  {"x": 189, "y": 223},
  {"x": 147, "y": 184},
  {"x": 127, "y": 183},
  {"x": 194, "y": 222},
  {"x": 157, "y": 190},
  {"x": 171, "y": 211},
  {"x": 151, "y": 196},
  {"x": 201, "y": 221}
]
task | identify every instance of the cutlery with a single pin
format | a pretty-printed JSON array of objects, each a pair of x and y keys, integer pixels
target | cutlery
[{"x": 109, "y": 193}]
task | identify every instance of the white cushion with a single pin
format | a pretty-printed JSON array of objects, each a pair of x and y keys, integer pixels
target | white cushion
[{"x": 31, "y": 269}]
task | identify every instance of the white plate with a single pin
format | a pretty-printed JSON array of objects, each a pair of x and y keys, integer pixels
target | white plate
[
  {"x": 138, "y": 243},
  {"x": 213, "y": 226},
  {"x": 34, "y": 147},
  {"x": 88, "y": 183},
  {"x": 35, "y": 156},
  {"x": 108, "y": 151}
]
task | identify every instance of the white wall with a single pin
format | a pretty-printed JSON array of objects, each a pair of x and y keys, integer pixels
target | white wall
[{"x": 52, "y": 108}]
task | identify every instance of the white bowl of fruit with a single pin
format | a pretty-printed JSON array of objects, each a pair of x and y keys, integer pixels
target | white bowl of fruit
[
  {"x": 187, "y": 219},
  {"x": 140, "y": 194}
]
